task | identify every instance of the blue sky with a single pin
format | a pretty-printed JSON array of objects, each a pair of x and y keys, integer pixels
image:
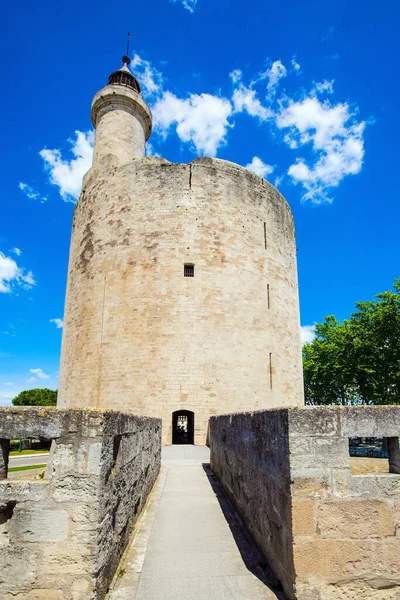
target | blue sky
[{"x": 303, "y": 91}]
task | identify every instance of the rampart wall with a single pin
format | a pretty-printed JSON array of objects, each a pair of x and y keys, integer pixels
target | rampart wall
[
  {"x": 61, "y": 537},
  {"x": 326, "y": 533}
]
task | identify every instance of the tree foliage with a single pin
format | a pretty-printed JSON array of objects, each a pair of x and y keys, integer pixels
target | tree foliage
[
  {"x": 357, "y": 361},
  {"x": 36, "y": 397}
]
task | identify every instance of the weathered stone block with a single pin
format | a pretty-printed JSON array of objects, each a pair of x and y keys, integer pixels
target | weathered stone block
[
  {"x": 337, "y": 558},
  {"x": 303, "y": 517},
  {"x": 39, "y": 524},
  {"x": 355, "y": 519}
]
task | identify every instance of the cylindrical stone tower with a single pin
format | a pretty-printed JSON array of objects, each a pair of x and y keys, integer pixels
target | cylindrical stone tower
[
  {"x": 182, "y": 297},
  {"x": 121, "y": 118}
]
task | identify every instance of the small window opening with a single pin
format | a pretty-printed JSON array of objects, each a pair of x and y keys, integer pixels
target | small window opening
[
  {"x": 270, "y": 370},
  {"x": 374, "y": 455},
  {"x": 28, "y": 455},
  {"x": 188, "y": 270},
  {"x": 268, "y": 298},
  {"x": 265, "y": 235}
]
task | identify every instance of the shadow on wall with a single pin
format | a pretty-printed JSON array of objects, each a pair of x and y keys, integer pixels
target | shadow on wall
[{"x": 251, "y": 556}]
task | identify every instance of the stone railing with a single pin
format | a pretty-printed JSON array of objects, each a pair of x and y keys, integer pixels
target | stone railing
[
  {"x": 61, "y": 537},
  {"x": 325, "y": 532}
]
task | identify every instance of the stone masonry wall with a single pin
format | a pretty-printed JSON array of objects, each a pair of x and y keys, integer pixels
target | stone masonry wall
[
  {"x": 61, "y": 537},
  {"x": 327, "y": 534},
  {"x": 140, "y": 336}
]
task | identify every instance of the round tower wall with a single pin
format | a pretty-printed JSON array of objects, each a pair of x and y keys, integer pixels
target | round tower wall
[{"x": 140, "y": 336}]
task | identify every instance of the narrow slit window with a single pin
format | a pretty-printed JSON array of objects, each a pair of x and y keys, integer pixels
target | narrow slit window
[
  {"x": 188, "y": 270},
  {"x": 268, "y": 297},
  {"x": 265, "y": 235},
  {"x": 270, "y": 370}
]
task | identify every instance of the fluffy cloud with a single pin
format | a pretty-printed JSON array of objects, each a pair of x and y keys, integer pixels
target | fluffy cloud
[
  {"x": 327, "y": 137},
  {"x": 31, "y": 192},
  {"x": 151, "y": 80},
  {"x": 16, "y": 251},
  {"x": 190, "y": 5},
  {"x": 59, "y": 323},
  {"x": 259, "y": 167},
  {"x": 334, "y": 135},
  {"x": 67, "y": 174},
  {"x": 201, "y": 120},
  {"x": 245, "y": 98},
  {"x": 38, "y": 374},
  {"x": 307, "y": 334},
  {"x": 12, "y": 276}
]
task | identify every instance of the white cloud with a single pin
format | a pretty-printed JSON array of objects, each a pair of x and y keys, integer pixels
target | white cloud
[
  {"x": 295, "y": 65},
  {"x": 334, "y": 135},
  {"x": 12, "y": 276},
  {"x": 259, "y": 167},
  {"x": 8, "y": 383},
  {"x": 307, "y": 334},
  {"x": 275, "y": 74},
  {"x": 59, "y": 323},
  {"x": 16, "y": 251},
  {"x": 245, "y": 98},
  {"x": 151, "y": 80},
  {"x": 67, "y": 174},
  {"x": 190, "y": 5},
  {"x": 324, "y": 87},
  {"x": 236, "y": 75},
  {"x": 201, "y": 120},
  {"x": 31, "y": 192},
  {"x": 38, "y": 373}
]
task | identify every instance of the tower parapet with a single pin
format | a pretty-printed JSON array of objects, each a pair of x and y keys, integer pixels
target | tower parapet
[{"x": 121, "y": 117}]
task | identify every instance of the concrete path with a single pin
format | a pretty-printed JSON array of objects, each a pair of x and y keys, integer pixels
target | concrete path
[{"x": 189, "y": 543}]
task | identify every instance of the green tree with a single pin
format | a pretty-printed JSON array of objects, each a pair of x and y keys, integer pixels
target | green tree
[
  {"x": 328, "y": 364},
  {"x": 357, "y": 361},
  {"x": 376, "y": 329},
  {"x": 36, "y": 397}
]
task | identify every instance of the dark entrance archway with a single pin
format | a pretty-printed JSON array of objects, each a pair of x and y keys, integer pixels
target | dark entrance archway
[{"x": 183, "y": 427}]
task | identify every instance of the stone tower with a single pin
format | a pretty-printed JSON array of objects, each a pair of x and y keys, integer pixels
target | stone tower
[{"x": 182, "y": 296}]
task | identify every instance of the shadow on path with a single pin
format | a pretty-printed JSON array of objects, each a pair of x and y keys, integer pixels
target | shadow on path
[{"x": 251, "y": 556}]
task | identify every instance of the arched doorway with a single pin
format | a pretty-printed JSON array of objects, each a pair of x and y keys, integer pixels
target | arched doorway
[{"x": 183, "y": 427}]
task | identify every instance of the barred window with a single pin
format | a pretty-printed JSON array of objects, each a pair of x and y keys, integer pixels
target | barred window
[{"x": 188, "y": 270}]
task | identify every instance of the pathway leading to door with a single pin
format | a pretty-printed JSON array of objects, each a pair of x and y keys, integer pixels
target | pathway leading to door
[{"x": 189, "y": 543}]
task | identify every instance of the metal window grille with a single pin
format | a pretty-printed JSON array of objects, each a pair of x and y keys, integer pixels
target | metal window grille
[{"x": 188, "y": 270}]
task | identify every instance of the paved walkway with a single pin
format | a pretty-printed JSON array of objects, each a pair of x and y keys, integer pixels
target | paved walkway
[{"x": 189, "y": 544}]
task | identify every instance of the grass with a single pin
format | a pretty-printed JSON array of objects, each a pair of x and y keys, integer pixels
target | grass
[
  {"x": 27, "y": 468},
  {"x": 27, "y": 452}
]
